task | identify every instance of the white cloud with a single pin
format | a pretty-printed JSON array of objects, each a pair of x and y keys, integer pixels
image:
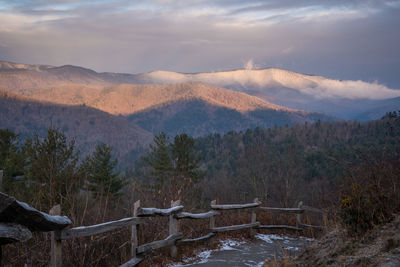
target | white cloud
[{"x": 352, "y": 90}]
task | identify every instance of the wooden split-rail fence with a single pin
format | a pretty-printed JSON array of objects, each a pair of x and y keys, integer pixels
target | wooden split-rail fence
[{"x": 175, "y": 214}]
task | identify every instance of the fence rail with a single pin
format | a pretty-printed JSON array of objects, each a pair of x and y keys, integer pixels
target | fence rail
[
  {"x": 235, "y": 206},
  {"x": 175, "y": 213},
  {"x": 201, "y": 238},
  {"x": 282, "y": 210},
  {"x": 235, "y": 227},
  {"x": 82, "y": 231},
  {"x": 204, "y": 215}
]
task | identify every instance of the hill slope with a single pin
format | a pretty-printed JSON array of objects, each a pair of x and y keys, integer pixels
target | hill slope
[
  {"x": 193, "y": 107},
  {"x": 87, "y": 125},
  {"x": 126, "y": 99},
  {"x": 346, "y": 99},
  {"x": 198, "y": 118},
  {"x": 76, "y": 86}
]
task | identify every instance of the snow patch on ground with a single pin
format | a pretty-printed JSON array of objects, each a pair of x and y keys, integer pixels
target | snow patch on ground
[
  {"x": 241, "y": 253},
  {"x": 204, "y": 256},
  {"x": 269, "y": 238},
  {"x": 230, "y": 244}
]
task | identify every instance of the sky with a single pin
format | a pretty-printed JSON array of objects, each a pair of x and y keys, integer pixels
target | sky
[{"x": 339, "y": 39}]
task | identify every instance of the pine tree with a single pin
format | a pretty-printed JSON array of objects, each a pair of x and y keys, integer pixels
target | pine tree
[
  {"x": 159, "y": 161},
  {"x": 174, "y": 168},
  {"x": 12, "y": 159},
  {"x": 7, "y": 145},
  {"x": 52, "y": 168},
  {"x": 186, "y": 159},
  {"x": 102, "y": 177}
]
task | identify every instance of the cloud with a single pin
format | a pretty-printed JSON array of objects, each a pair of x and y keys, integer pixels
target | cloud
[
  {"x": 348, "y": 40},
  {"x": 351, "y": 90}
]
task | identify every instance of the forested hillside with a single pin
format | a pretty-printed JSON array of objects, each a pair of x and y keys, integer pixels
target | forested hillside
[
  {"x": 309, "y": 162},
  {"x": 348, "y": 168},
  {"x": 88, "y": 126},
  {"x": 199, "y": 118}
]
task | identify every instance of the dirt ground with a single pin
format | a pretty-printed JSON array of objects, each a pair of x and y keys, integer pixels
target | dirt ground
[{"x": 378, "y": 247}]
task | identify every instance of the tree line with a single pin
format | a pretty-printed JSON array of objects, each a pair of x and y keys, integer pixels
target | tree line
[{"x": 317, "y": 163}]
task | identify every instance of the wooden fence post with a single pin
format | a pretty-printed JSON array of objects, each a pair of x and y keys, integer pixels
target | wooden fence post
[
  {"x": 134, "y": 230},
  {"x": 253, "y": 217},
  {"x": 212, "y": 218},
  {"x": 56, "y": 245},
  {"x": 173, "y": 227},
  {"x": 298, "y": 216}
]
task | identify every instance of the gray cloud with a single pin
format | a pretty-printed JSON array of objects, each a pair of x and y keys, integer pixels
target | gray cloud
[{"x": 340, "y": 39}]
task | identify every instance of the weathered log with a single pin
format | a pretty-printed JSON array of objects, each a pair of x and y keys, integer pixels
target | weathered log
[
  {"x": 235, "y": 206},
  {"x": 288, "y": 227},
  {"x": 299, "y": 215},
  {"x": 235, "y": 227},
  {"x": 146, "y": 212},
  {"x": 14, "y": 211},
  {"x": 282, "y": 210},
  {"x": 170, "y": 240},
  {"x": 204, "y": 215},
  {"x": 13, "y": 232},
  {"x": 82, "y": 231},
  {"x": 134, "y": 230},
  {"x": 201, "y": 238},
  {"x": 212, "y": 218},
  {"x": 5, "y": 202},
  {"x": 56, "y": 244},
  {"x": 253, "y": 217},
  {"x": 173, "y": 228},
  {"x": 132, "y": 262}
]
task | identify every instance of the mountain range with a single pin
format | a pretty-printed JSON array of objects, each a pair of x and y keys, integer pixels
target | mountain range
[
  {"x": 342, "y": 99},
  {"x": 132, "y": 107}
]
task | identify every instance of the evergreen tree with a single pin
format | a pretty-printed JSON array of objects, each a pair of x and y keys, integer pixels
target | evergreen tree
[
  {"x": 12, "y": 159},
  {"x": 159, "y": 160},
  {"x": 7, "y": 145},
  {"x": 185, "y": 157},
  {"x": 174, "y": 168},
  {"x": 102, "y": 177},
  {"x": 52, "y": 168}
]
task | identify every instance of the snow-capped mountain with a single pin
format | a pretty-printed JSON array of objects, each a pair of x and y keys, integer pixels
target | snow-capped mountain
[
  {"x": 346, "y": 99},
  {"x": 343, "y": 99}
]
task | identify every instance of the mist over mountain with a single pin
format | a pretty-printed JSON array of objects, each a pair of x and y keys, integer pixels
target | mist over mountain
[{"x": 343, "y": 99}]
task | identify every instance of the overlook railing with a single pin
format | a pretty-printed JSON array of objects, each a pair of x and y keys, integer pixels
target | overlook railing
[
  {"x": 175, "y": 237},
  {"x": 18, "y": 219}
]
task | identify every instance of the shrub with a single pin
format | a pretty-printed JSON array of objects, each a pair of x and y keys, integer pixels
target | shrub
[{"x": 363, "y": 207}]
